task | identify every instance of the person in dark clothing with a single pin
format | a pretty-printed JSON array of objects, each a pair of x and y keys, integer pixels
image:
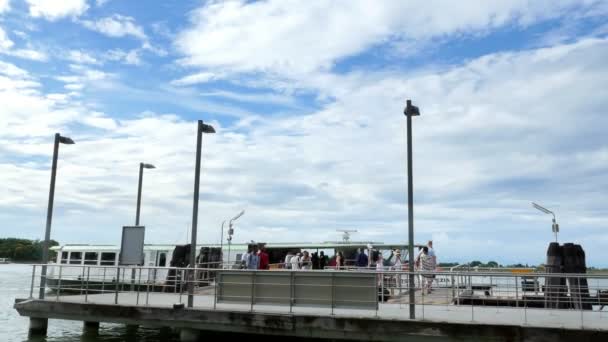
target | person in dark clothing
[
  {"x": 315, "y": 261},
  {"x": 322, "y": 261},
  {"x": 362, "y": 259}
]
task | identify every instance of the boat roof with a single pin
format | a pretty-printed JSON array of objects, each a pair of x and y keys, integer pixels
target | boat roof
[{"x": 237, "y": 246}]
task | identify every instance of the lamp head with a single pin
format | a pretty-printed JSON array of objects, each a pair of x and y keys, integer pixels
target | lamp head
[
  {"x": 66, "y": 140},
  {"x": 411, "y": 110}
]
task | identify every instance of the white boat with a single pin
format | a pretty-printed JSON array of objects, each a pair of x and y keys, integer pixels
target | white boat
[{"x": 103, "y": 271}]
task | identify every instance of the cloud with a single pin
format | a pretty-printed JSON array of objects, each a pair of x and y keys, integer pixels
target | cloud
[
  {"x": 6, "y": 47},
  {"x": 54, "y": 10},
  {"x": 116, "y": 26},
  {"x": 5, "y": 42},
  {"x": 201, "y": 77},
  {"x": 343, "y": 165},
  {"x": 5, "y": 6},
  {"x": 291, "y": 38},
  {"x": 30, "y": 54},
  {"x": 131, "y": 57},
  {"x": 81, "y": 57}
]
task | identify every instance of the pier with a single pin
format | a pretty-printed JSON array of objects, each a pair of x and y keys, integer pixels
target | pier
[{"x": 336, "y": 305}]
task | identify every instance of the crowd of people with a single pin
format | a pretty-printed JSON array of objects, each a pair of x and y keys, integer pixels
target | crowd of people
[{"x": 257, "y": 258}]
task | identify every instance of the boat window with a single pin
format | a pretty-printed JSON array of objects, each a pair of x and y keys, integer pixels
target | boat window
[
  {"x": 75, "y": 258},
  {"x": 239, "y": 256},
  {"x": 108, "y": 259},
  {"x": 64, "y": 257},
  {"x": 90, "y": 258},
  {"x": 162, "y": 260}
]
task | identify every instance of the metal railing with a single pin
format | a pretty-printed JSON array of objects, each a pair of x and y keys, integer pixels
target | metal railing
[{"x": 539, "y": 299}]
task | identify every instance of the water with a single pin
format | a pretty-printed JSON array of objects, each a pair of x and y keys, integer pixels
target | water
[{"x": 15, "y": 283}]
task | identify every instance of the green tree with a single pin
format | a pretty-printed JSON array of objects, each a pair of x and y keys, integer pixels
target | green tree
[
  {"x": 23, "y": 250},
  {"x": 492, "y": 264}
]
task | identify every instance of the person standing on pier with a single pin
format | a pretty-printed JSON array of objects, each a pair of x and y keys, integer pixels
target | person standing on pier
[
  {"x": 295, "y": 262},
  {"x": 339, "y": 260},
  {"x": 263, "y": 259},
  {"x": 305, "y": 261},
  {"x": 433, "y": 256},
  {"x": 288, "y": 260},
  {"x": 253, "y": 260},
  {"x": 322, "y": 260},
  {"x": 428, "y": 265}
]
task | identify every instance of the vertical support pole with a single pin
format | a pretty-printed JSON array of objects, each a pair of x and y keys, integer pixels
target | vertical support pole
[
  {"x": 138, "y": 287},
  {"x": 292, "y": 285},
  {"x": 49, "y": 219},
  {"x": 516, "y": 293},
  {"x": 217, "y": 281},
  {"x": 197, "y": 177},
  {"x": 252, "y": 288},
  {"x": 333, "y": 290},
  {"x": 410, "y": 209},
  {"x": 147, "y": 293},
  {"x": 141, "y": 173},
  {"x": 59, "y": 283},
  {"x": 116, "y": 287},
  {"x": 86, "y": 292},
  {"x": 103, "y": 281},
  {"x": 33, "y": 280},
  {"x": 82, "y": 280}
]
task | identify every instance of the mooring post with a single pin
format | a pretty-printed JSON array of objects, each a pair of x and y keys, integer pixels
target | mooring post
[
  {"x": 90, "y": 329},
  {"x": 38, "y": 326}
]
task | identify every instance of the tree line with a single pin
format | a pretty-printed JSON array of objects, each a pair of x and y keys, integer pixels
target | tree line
[{"x": 23, "y": 249}]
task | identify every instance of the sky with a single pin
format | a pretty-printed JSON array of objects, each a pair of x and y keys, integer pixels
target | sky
[{"x": 307, "y": 99}]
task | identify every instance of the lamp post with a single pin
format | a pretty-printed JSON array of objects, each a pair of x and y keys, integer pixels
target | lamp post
[
  {"x": 49, "y": 213},
  {"x": 554, "y": 226},
  {"x": 410, "y": 111},
  {"x": 222, "y": 246},
  {"x": 142, "y": 166},
  {"x": 202, "y": 128},
  {"x": 231, "y": 230}
]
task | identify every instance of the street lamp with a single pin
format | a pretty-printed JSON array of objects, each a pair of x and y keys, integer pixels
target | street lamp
[
  {"x": 410, "y": 111},
  {"x": 202, "y": 128},
  {"x": 49, "y": 213},
  {"x": 142, "y": 166},
  {"x": 231, "y": 230},
  {"x": 554, "y": 226}
]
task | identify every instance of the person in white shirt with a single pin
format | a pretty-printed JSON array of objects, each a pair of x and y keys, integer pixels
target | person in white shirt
[
  {"x": 433, "y": 256},
  {"x": 287, "y": 262},
  {"x": 432, "y": 251},
  {"x": 295, "y": 262}
]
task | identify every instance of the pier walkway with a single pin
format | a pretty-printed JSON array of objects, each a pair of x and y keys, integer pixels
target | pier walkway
[{"x": 437, "y": 314}]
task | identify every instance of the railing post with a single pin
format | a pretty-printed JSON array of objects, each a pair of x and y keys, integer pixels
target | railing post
[
  {"x": 580, "y": 300},
  {"x": 215, "y": 281},
  {"x": 33, "y": 280},
  {"x": 292, "y": 285},
  {"x": 516, "y": 293},
  {"x": 82, "y": 279},
  {"x": 137, "y": 287},
  {"x": 59, "y": 282},
  {"x": 332, "y": 292},
  {"x": 86, "y": 292},
  {"x": 252, "y": 288},
  {"x": 103, "y": 281},
  {"x": 116, "y": 286}
]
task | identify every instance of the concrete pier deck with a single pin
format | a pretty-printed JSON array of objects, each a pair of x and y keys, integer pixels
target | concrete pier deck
[{"x": 390, "y": 322}]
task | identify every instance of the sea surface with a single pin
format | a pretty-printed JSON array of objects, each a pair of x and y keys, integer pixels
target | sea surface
[{"x": 15, "y": 282}]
